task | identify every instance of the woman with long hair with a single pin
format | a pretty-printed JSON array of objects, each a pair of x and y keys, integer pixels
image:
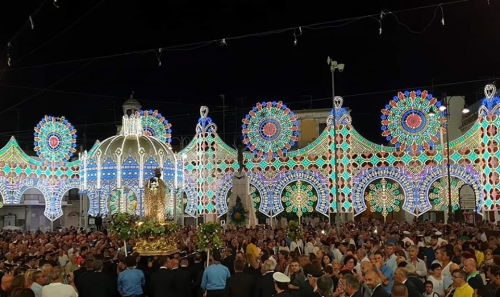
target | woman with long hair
[
  {"x": 282, "y": 261},
  {"x": 27, "y": 277},
  {"x": 19, "y": 282},
  {"x": 283, "y": 246},
  {"x": 326, "y": 260},
  {"x": 252, "y": 265},
  {"x": 18, "y": 292}
]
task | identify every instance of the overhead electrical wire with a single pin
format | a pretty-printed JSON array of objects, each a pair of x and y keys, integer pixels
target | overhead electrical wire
[{"x": 223, "y": 41}]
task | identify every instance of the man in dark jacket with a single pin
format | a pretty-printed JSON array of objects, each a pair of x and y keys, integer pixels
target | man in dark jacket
[
  {"x": 95, "y": 283},
  {"x": 239, "y": 284},
  {"x": 160, "y": 279},
  {"x": 265, "y": 285}
]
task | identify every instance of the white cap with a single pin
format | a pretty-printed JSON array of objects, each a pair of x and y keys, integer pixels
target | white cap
[
  {"x": 280, "y": 277},
  {"x": 438, "y": 233},
  {"x": 406, "y": 232}
]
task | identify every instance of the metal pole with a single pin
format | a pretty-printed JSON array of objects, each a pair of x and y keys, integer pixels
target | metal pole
[
  {"x": 183, "y": 186},
  {"x": 475, "y": 207},
  {"x": 86, "y": 212},
  {"x": 334, "y": 124},
  {"x": 80, "y": 211},
  {"x": 450, "y": 207}
]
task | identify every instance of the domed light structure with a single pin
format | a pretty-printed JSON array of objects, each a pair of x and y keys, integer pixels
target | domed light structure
[{"x": 115, "y": 171}]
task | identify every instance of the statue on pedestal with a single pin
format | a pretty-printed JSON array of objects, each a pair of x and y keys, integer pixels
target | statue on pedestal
[
  {"x": 240, "y": 148},
  {"x": 155, "y": 198}
]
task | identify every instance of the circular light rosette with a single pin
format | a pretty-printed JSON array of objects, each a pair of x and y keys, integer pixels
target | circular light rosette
[
  {"x": 155, "y": 125},
  {"x": 407, "y": 122},
  {"x": 270, "y": 129},
  {"x": 55, "y": 139}
]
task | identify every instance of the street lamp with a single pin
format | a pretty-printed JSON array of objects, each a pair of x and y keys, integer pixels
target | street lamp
[
  {"x": 334, "y": 65},
  {"x": 444, "y": 108}
]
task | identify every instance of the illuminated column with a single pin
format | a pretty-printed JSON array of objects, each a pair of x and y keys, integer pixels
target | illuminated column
[
  {"x": 99, "y": 168},
  {"x": 490, "y": 140},
  {"x": 119, "y": 163},
  {"x": 141, "y": 180}
]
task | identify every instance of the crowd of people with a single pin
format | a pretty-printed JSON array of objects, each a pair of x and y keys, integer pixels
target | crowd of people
[{"x": 357, "y": 259}]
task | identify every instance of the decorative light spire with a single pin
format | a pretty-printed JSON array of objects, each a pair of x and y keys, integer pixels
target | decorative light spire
[{"x": 132, "y": 125}]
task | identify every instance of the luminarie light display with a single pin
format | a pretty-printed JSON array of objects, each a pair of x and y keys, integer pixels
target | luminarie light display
[{"x": 114, "y": 171}]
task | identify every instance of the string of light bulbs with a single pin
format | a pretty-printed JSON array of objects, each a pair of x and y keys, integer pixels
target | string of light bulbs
[
  {"x": 32, "y": 25},
  {"x": 297, "y": 32},
  {"x": 488, "y": 80}
]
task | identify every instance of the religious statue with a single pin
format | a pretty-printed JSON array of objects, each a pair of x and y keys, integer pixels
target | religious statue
[
  {"x": 240, "y": 148},
  {"x": 155, "y": 198}
]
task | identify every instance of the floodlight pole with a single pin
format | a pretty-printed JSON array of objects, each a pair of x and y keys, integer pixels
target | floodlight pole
[{"x": 334, "y": 65}]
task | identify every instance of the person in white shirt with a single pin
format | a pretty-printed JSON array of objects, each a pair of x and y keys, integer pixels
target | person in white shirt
[
  {"x": 391, "y": 257},
  {"x": 420, "y": 267},
  {"x": 63, "y": 258},
  {"x": 56, "y": 288},
  {"x": 440, "y": 240},
  {"x": 309, "y": 248},
  {"x": 297, "y": 244},
  {"x": 338, "y": 253},
  {"x": 38, "y": 282},
  {"x": 407, "y": 238}
]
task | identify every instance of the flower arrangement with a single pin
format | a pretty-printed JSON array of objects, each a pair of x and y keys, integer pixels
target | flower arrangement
[
  {"x": 149, "y": 228},
  {"x": 123, "y": 225},
  {"x": 171, "y": 227},
  {"x": 209, "y": 235},
  {"x": 238, "y": 214},
  {"x": 294, "y": 230}
]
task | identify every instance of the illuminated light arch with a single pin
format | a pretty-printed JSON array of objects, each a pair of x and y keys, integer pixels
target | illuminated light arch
[
  {"x": 220, "y": 196},
  {"x": 464, "y": 173},
  {"x": 53, "y": 208},
  {"x": 192, "y": 194},
  {"x": 117, "y": 196},
  {"x": 5, "y": 192},
  {"x": 93, "y": 203},
  {"x": 263, "y": 190},
  {"x": 314, "y": 179},
  {"x": 367, "y": 177},
  {"x": 191, "y": 198},
  {"x": 253, "y": 181},
  {"x": 31, "y": 183}
]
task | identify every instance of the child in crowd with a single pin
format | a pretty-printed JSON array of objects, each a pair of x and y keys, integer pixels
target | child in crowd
[{"x": 429, "y": 290}]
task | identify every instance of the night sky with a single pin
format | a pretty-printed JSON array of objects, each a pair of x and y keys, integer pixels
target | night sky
[{"x": 89, "y": 92}]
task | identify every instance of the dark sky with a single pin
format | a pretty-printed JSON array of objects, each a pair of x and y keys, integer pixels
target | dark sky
[{"x": 247, "y": 70}]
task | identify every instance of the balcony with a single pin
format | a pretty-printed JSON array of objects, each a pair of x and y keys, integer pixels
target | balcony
[{"x": 37, "y": 199}]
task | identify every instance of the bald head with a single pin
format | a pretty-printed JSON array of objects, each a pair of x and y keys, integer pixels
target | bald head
[
  {"x": 470, "y": 265},
  {"x": 7, "y": 282},
  {"x": 372, "y": 279},
  {"x": 454, "y": 266},
  {"x": 399, "y": 290}
]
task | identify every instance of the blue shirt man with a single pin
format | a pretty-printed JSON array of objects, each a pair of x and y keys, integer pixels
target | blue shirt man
[
  {"x": 214, "y": 277},
  {"x": 131, "y": 281}
]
